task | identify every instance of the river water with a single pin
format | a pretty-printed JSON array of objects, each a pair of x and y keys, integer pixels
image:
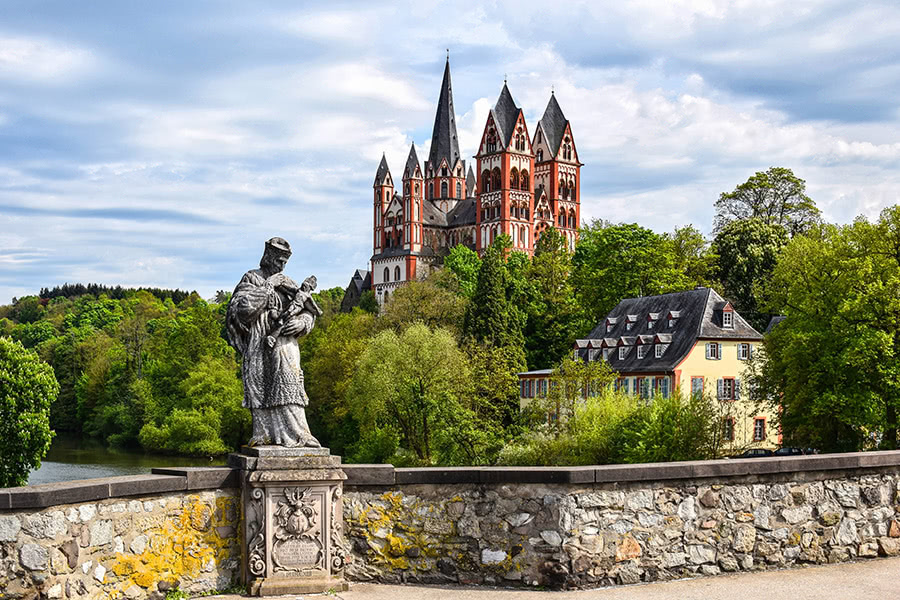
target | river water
[{"x": 73, "y": 458}]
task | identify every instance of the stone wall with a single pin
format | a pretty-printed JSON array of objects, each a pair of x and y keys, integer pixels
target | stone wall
[
  {"x": 137, "y": 545},
  {"x": 136, "y": 537},
  {"x": 621, "y": 525}
]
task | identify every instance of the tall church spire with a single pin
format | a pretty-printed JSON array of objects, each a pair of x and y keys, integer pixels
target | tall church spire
[{"x": 444, "y": 141}]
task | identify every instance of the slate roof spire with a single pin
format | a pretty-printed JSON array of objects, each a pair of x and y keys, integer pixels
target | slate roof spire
[
  {"x": 444, "y": 141},
  {"x": 412, "y": 163},
  {"x": 554, "y": 124},
  {"x": 506, "y": 113},
  {"x": 383, "y": 171}
]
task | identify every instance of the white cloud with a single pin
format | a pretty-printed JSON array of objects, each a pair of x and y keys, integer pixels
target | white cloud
[{"x": 43, "y": 60}]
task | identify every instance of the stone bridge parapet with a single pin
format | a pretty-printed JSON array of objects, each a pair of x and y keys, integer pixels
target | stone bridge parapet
[{"x": 559, "y": 527}]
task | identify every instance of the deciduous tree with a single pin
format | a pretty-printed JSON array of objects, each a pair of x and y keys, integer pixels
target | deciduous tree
[
  {"x": 27, "y": 389},
  {"x": 776, "y": 197}
]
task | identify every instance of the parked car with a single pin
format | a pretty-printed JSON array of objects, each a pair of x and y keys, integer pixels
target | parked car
[
  {"x": 790, "y": 451},
  {"x": 755, "y": 453}
]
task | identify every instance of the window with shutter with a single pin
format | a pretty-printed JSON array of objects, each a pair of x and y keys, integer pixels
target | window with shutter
[
  {"x": 720, "y": 389},
  {"x": 697, "y": 386},
  {"x": 737, "y": 389}
]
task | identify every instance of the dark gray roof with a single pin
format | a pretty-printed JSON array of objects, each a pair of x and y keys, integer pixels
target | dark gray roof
[
  {"x": 462, "y": 214},
  {"x": 554, "y": 124},
  {"x": 700, "y": 317},
  {"x": 382, "y": 172},
  {"x": 471, "y": 182},
  {"x": 506, "y": 113},
  {"x": 774, "y": 321},
  {"x": 444, "y": 142},
  {"x": 411, "y": 163},
  {"x": 362, "y": 279},
  {"x": 401, "y": 251},
  {"x": 432, "y": 215}
]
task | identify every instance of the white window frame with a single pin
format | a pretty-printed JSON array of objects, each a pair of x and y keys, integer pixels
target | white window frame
[
  {"x": 660, "y": 349},
  {"x": 759, "y": 436},
  {"x": 623, "y": 351},
  {"x": 641, "y": 351},
  {"x": 671, "y": 323},
  {"x": 713, "y": 351},
  {"x": 744, "y": 351},
  {"x": 727, "y": 323},
  {"x": 650, "y": 323}
]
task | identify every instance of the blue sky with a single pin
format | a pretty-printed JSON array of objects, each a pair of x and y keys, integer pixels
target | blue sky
[{"x": 160, "y": 143}]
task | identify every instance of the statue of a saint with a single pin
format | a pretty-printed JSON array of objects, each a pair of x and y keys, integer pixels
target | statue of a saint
[{"x": 267, "y": 313}]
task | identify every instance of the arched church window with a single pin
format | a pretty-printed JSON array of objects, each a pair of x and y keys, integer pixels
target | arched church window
[
  {"x": 443, "y": 189},
  {"x": 524, "y": 182},
  {"x": 514, "y": 179},
  {"x": 387, "y": 274},
  {"x": 443, "y": 171},
  {"x": 540, "y": 155},
  {"x": 431, "y": 191},
  {"x": 417, "y": 189},
  {"x": 485, "y": 181},
  {"x": 563, "y": 189},
  {"x": 458, "y": 190},
  {"x": 571, "y": 190},
  {"x": 495, "y": 179},
  {"x": 396, "y": 273},
  {"x": 571, "y": 219}
]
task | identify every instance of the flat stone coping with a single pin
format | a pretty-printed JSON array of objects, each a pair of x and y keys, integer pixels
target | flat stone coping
[
  {"x": 182, "y": 479},
  {"x": 282, "y": 452}
]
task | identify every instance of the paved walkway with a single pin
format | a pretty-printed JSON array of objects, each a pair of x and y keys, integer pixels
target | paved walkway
[{"x": 876, "y": 579}]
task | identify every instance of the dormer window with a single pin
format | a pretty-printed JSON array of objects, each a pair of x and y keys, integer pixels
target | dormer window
[
  {"x": 728, "y": 319},
  {"x": 642, "y": 351},
  {"x": 623, "y": 351},
  {"x": 660, "y": 350}
]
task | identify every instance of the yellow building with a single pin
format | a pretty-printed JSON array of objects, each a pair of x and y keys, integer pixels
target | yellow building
[{"x": 694, "y": 341}]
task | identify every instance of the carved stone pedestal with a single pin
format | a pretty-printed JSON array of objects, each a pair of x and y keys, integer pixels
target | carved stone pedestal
[{"x": 293, "y": 526}]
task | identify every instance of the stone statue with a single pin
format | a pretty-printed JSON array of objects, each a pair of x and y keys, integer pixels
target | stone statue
[{"x": 266, "y": 315}]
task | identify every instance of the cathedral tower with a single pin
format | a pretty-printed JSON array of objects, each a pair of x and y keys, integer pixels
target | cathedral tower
[
  {"x": 412, "y": 212},
  {"x": 384, "y": 193},
  {"x": 557, "y": 176},
  {"x": 505, "y": 169},
  {"x": 445, "y": 177}
]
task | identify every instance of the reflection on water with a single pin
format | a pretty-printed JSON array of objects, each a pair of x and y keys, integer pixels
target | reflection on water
[{"x": 71, "y": 457}]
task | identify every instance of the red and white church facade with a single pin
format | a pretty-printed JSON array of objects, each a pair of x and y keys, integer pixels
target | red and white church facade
[{"x": 523, "y": 185}]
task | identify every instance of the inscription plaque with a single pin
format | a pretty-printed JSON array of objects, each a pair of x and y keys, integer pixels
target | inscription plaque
[{"x": 298, "y": 554}]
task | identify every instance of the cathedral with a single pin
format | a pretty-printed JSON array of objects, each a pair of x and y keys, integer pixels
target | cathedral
[{"x": 521, "y": 185}]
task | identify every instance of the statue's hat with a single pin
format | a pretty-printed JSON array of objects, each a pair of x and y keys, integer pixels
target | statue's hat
[{"x": 279, "y": 245}]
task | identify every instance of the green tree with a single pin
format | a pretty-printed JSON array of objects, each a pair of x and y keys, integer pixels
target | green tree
[
  {"x": 368, "y": 303},
  {"x": 775, "y": 197},
  {"x": 553, "y": 316},
  {"x": 330, "y": 355},
  {"x": 27, "y": 310},
  {"x": 613, "y": 262},
  {"x": 489, "y": 316},
  {"x": 832, "y": 365},
  {"x": 27, "y": 389},
  {"x": 411, "y": 383},
  {"x": 693, "y": 255},
  {"x": 747, "y": 251},
  {"x": 465, "y": 264},
  {"x": 424, "y": 301}
]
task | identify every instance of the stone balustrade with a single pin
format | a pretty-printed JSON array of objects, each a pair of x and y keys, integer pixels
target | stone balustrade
[{"x": 139, "y": 536}]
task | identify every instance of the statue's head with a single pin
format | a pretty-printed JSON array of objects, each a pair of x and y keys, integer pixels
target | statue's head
[{"x": 276, "y": 255}]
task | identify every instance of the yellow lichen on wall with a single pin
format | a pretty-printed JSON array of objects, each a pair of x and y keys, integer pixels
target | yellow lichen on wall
[{"x": 182, "y": 547}]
